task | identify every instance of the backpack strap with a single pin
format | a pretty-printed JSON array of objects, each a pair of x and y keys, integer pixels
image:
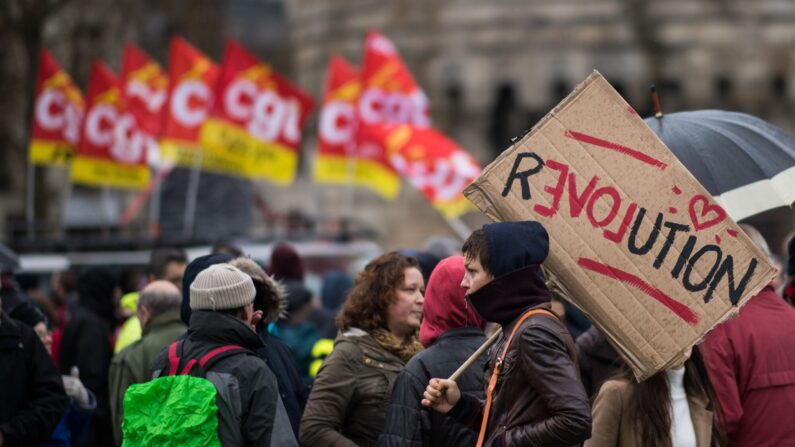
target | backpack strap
[
  {"x": 219, "y": 354},
  {"x": 496, "y": 373},
  {"x": 206, "y": 361},
  {"x": 211, "y": 358},
  {"x": 173, "y": 357}
]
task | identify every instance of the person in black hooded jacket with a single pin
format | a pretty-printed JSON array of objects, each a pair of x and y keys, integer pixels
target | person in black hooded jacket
[
  {"x": 32, "y": 398},
  {"x": 270, "y": 300},
  {"x": 87, "y": 344},
  {"x": 538, "y": 398},
  {"x": 250, "y": 410},
  {"x": 451, "y": 331}
]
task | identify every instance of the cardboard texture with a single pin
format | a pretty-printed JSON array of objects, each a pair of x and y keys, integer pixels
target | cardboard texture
[{"x": 635, "y": 241}]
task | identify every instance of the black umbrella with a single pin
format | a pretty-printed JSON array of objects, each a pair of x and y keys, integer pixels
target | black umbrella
[{"x": 746, "y": 163}]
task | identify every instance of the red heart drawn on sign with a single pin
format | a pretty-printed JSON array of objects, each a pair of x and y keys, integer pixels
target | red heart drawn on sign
[{"x": 710, "y": 214}]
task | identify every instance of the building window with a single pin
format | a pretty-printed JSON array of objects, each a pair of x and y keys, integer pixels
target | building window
[
  {"x": 454, "y": 97},
  {"x": 502, "y": 115},
  {"x": 723, "y": 88},
  {"x": 560, "y": 88},
  {"x": 778, "y": 87}
]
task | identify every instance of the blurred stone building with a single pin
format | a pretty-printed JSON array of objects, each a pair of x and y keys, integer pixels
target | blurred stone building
[{"x": 491, "y": 69}]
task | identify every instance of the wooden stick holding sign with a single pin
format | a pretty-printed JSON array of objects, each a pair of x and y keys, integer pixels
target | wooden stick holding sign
[{"x": 489, "y": 341}]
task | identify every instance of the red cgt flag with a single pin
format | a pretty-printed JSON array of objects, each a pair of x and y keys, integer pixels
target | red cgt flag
[
  {"x": 432, "y": 163},
  {"x": 336, "y": 147},
  {"x": 57, "y": 114},
  {"x": 144, "y": 87},
  {"x": 254, "y": 129},
  {"x": 193, "y": 77},
  {"x": 109, "y": 154},
  {"x": 390, "y": 96}
]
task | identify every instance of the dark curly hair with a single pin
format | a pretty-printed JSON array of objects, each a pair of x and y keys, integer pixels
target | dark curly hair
[{"x": 367, "y": 303}]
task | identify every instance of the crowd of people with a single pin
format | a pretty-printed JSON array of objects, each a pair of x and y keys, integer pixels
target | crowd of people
[{"x": 221, "y": 350}]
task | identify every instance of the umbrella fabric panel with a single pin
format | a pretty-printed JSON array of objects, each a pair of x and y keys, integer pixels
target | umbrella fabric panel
[
  {"x": 725, "y": 150},
  {"x": 746, "y": 163},
  {"x": 757, "y": 197}
]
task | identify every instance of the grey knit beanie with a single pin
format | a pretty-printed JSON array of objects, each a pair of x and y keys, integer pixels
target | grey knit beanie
[{"x": 220, "y": 287}]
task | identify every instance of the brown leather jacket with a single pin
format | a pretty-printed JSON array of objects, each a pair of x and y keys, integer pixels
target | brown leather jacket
[{"x": 539, "y": 399}]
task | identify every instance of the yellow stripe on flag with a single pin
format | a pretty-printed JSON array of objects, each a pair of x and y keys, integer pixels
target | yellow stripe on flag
[
  {"x": 370, "y": 174},
  {"x": 455, "y": 208},
  {"x": 56, "y": 153},
  {"x": 232, "y": 150},
  {"x": 334, "y": 169},
  {"x": 100, "y": 172},
  {"x": 184, "y": 154}
]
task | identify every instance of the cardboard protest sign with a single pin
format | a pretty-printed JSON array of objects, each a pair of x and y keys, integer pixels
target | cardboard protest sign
[
  {"x": 193, "y": 76},
  {"x": 636, "y": 242},
  {"x": 57, "y": 115},
  {"x": 111, "y": 151},
  {"x": 254, "y": 128},
  {"x": 432, "y": 163}
]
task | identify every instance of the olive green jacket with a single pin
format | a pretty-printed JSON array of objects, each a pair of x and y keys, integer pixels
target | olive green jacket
[
  {"x": 351, "y": 392},
  {"x": 133, "y": 364}
]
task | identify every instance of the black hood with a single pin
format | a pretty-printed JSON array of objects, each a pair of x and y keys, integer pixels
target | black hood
[
  {"x": 220, "y": 328},
  {"x": 515, "y": 245},
  {"x": 95, "y": 289},
  {"x": 505, "y": 298}
]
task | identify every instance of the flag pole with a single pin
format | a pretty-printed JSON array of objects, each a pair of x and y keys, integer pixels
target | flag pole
[
  {"x": 191, "y": 196},
  {"x": 461, "y": 229},
  {"x": 472, "y": 358},
  {"x": 154, "y": 205},
  {"x": 350, "y": 174},
  {"x": 65, "y": 197},
  {"x": 107, "y": 211},
  {"x": 30, "y": 212},
  {"x": 138, "y": 201}
]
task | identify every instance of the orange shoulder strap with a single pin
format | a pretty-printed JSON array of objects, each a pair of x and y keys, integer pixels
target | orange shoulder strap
[{"x": 496, "y": 372}]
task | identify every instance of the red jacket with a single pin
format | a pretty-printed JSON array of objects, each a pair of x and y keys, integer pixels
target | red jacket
[{"x": 751, "y": 363}]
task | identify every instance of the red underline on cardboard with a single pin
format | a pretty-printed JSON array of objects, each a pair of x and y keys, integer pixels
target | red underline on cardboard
[
  {"x": 681, "y": 310},
  {"x": 637, "y": 155}
]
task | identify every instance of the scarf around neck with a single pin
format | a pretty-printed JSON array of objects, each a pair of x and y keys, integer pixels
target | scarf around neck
[{"x": 403, "y": 350}]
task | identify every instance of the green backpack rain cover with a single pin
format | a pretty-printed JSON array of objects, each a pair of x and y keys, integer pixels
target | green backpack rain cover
[{"x": 171, "y": 411}]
